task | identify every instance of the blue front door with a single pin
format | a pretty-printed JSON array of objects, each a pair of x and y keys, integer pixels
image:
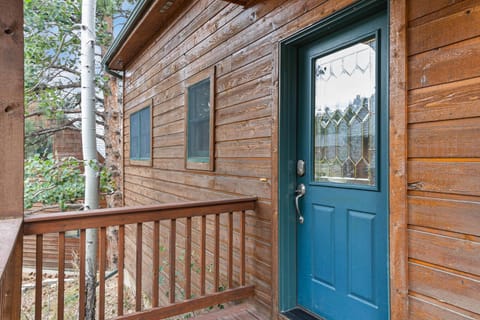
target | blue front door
[{"x": 342, "y": 148}]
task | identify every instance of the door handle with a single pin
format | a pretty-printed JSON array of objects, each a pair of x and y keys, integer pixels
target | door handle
[{"x": 300, "y": 192}]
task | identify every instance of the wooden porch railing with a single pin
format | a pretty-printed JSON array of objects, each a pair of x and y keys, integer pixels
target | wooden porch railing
[
  {"x": 178, "y": 218},
  {"x": 10, "y": 267}
]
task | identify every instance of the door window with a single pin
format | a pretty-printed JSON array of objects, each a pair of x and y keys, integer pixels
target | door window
[{"x": 344, "y": 115}]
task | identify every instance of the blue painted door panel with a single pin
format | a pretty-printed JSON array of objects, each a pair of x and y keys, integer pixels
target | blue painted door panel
[{"x": 342, "y": 247}]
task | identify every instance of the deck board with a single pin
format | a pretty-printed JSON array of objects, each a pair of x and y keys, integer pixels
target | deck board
[{"x": 244, "y": 311}]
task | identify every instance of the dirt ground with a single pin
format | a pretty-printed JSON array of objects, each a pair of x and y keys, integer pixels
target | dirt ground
[{"x": 49, "y": 297}]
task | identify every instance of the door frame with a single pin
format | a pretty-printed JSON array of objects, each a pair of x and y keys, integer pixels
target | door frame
[{"x": 396, "y": 92}]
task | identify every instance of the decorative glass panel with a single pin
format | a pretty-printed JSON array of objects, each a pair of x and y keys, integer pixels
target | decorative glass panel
[
  {"x": 345, "y": 143},
  {"x": 199, "y": 122}
]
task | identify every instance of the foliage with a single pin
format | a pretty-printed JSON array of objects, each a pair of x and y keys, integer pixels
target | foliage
[
  {"x": 52, "y": 68},
  {"x": 49, "y": 181}
]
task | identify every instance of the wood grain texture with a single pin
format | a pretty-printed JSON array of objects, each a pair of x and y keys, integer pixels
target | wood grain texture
[
  {"x": 81, "y": 275},
  {"x": 455, "y": 289},
  {"x": 50, "y": 251},
  {"x": 457, "y": 254},
  {"x": 457, "y": 100},
  {"x": 445, "y": 139},
  {"x": 455, "y": 62},
  {"x": 138, "y": 267},
  {"x": 398, "y": 157},
  {"x": 439, "y": 32},
  {"x": 11, "y": 108},
  {"x": 416, "y": 9},
  {"x": 39, "y": 278},
  {"x": 453, "y": 215},
  {"x": 10, "y": 268},
  {"x": 426, "y": 309},
  {"x": 459, "y": 176},
  {"x": 61, "y": 276},
  {"x": 183, "y": 307},
  {"x": 443, "y": 159}
]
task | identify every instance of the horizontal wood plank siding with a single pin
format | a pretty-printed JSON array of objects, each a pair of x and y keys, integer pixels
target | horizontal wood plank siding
[
  {"x": 444, "y": 159},
  {"x": 239, "y": 41}
]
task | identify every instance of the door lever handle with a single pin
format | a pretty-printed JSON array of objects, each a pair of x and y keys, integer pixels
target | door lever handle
[{"x": 300, "y": 192}]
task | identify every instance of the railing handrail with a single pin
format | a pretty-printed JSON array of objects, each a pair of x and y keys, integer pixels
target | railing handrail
[
  {"x": 9, "y": 233},
  {"x": 10, "y": 263},
  {"x": 74, "y": 220}
]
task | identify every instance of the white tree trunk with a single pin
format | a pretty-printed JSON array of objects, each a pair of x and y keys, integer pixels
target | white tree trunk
[{"x": 89, "y": 143}]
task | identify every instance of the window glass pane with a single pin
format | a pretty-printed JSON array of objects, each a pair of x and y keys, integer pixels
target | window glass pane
[
  {"x": 134, "y": 136},
  {"x": 145, "y": 133},
  {"x": 140, "y": 134},
  {"x": 345, "y": 142},
  {"x": 198, "y": 130}
]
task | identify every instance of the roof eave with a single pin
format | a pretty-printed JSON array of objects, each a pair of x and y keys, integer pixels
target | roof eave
[{"x": 120, "y": 39}]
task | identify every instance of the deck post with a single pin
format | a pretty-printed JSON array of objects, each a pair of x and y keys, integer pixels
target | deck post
[{"x": 11, "y": 154}]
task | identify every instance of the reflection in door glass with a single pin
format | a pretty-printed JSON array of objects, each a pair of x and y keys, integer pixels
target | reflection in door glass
[{"x": 345, "y": 143}]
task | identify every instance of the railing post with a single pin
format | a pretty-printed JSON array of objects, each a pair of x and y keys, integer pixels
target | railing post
[
  {"x": 81, "y": 276},
  {"x": 138, "y": 274},
  {"x": 156, "y": 262},
  {"x": 61, "y": 275},
  {"x": 38, "y": 277},
  {"x": 173, "y": 233},
  {"x": 62, "y": 222},
  {"x": 188, "y": 258},
  {"x": 120, "y": 266}
]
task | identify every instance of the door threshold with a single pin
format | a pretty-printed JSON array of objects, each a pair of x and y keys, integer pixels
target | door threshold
[{"x": 300, "y": 314}]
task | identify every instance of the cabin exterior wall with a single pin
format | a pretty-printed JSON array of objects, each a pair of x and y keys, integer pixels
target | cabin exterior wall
[
  {"x": 443, "y": 159},
  {"x": 443, "y": 120},
  {"x": 242, "y": 44}
]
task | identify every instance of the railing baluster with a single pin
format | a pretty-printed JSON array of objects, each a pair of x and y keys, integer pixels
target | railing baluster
[
  {"x": 188, "y": 258},
  {"x": 173, "y": 241},
  {"x": 138, "y": 275},
  {"x": 38, "y": 277},
  {"x": 120, "y": 266},
  {"x": 211, "y": 252},
  {"x": 242, "y": 248},
  {"x": 203, "y": 253},
  {"x": 156, "y": 262},
  {"x": 81, "y": 280},
  {"x": 61, "y": 276},
  {"x": 230, "y": 250},
  {"x": 217, "y": 253},
  {"x": 102, "y": 266}
]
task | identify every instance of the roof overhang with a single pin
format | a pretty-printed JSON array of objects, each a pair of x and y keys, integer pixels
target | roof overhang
[{"x": 148, "y": 18}]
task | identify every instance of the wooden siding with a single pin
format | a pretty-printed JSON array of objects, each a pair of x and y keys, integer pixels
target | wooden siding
[
  {"x": 443, "y": 120},
  {"x": 50, "y": 252},
  {"x": 241, "y": 43},
  {"x": 444, "y": 159}
]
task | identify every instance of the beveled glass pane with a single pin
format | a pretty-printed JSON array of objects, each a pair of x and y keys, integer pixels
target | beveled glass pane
[
  {"x": 198, "y": 131},
  {"x": 345, "y": 142}
]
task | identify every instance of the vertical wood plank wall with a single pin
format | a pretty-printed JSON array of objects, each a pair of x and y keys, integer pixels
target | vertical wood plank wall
[
  {"x": 443, "y": 159},
  {"x": 240, "y": 43}
]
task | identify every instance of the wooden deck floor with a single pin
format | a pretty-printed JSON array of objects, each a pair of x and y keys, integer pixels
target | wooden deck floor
[{"x": 244, "y": 311}]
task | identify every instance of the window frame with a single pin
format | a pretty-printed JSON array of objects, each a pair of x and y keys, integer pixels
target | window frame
[
  {"x": 134, "y": 161},
  {"x": 194, "y": 80}
]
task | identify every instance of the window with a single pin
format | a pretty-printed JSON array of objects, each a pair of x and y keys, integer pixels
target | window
[
  {"x": 140, "y": 135},
  {"x": 199, "y": 101}
]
